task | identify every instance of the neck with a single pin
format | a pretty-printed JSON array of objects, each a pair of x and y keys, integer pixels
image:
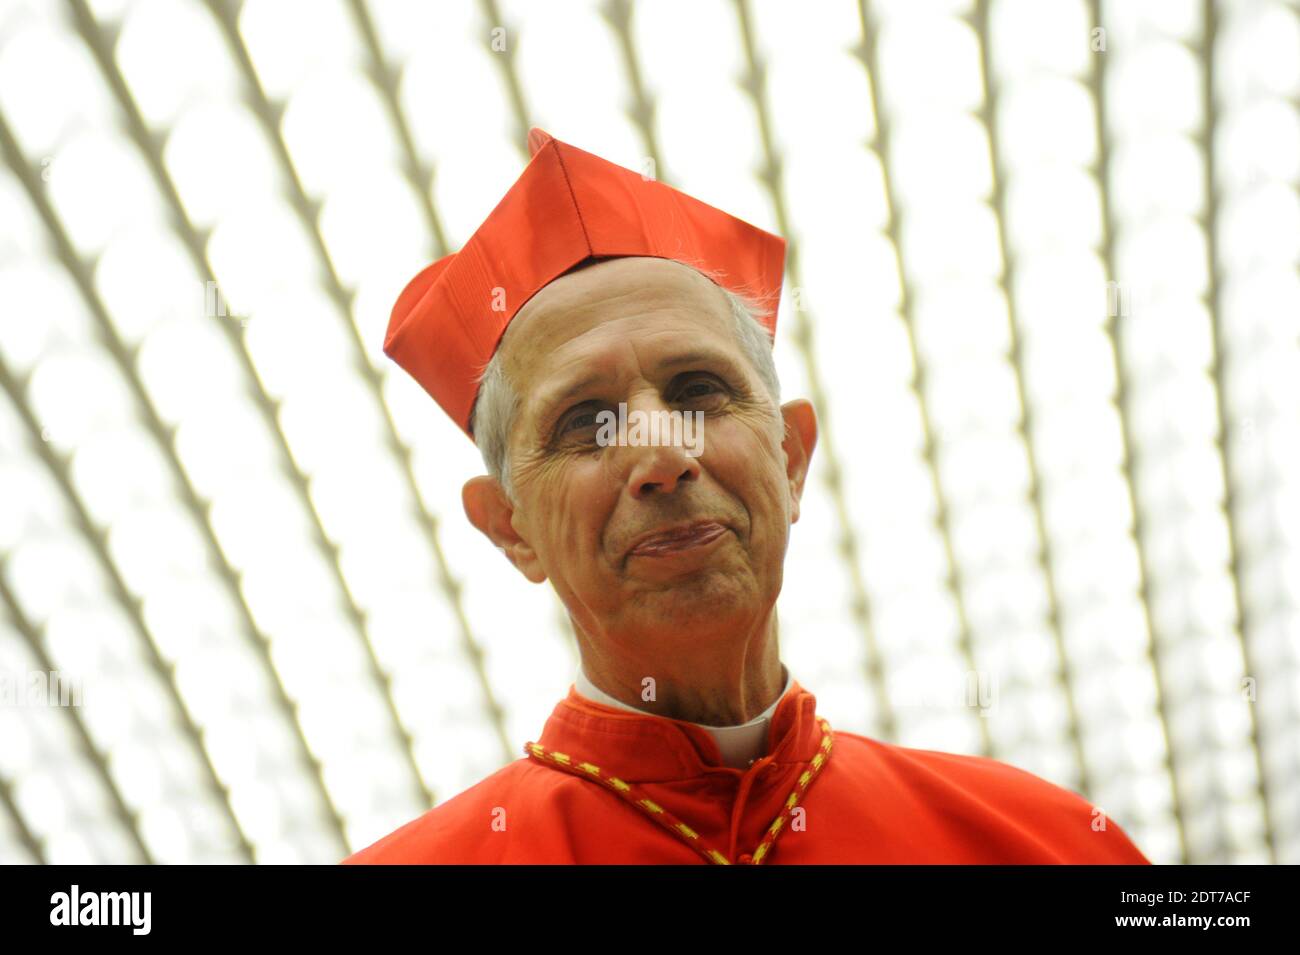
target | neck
[{"x": 715, "y": 683}]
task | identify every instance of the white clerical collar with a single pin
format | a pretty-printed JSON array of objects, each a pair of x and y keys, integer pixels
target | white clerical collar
[{"x": 739, "y": 745}]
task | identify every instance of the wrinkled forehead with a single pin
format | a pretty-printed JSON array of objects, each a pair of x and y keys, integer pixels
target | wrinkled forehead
[{"x": 607, "y": 294}]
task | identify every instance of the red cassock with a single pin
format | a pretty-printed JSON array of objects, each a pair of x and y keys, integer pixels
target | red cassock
[{"x": 608, "y": 786}]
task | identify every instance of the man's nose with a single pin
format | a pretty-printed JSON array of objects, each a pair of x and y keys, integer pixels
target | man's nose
[{"x": 658, "y": 467}]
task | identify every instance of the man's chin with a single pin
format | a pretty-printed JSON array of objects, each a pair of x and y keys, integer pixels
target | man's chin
[{"x": 702, "y": 598}]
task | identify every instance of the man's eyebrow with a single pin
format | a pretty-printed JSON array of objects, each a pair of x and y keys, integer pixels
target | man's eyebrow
[{"x": 555, "y": 399}]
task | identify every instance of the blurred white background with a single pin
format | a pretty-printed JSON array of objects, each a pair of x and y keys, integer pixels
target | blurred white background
[{"x": 1043, "y": 286}]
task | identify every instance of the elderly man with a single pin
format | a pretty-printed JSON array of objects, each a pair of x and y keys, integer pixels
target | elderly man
[{"x": 592, "y": 301}]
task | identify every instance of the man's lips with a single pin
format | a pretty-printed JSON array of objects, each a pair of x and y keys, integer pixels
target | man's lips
[{"x": 677, "y": 538}]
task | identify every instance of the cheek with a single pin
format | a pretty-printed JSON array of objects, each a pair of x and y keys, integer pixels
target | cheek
[
  {"x": 744, "y": 460},
  {"x": 576, "y": 506}
]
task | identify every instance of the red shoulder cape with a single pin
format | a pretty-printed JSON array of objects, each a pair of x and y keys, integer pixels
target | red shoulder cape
[{"x": 608, "y": 786}]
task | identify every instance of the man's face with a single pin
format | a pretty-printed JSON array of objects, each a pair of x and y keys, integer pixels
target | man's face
[{"x": 660, "y": 337}]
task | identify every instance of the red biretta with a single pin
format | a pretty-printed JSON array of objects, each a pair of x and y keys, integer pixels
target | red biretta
[{"x": 731, "y": 764}]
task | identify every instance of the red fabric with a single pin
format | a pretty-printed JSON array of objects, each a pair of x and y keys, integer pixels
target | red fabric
[
  {"x": 567, "y": 206},
  {"x": 871, "y": 802}
]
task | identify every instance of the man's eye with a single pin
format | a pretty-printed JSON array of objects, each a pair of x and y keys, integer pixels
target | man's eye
[
  {"x": 707, "y": 384},
  {"x": 577, "y": 419}
]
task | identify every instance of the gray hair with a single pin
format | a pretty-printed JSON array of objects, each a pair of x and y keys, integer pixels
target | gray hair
[{"x": 495, "y": 408}]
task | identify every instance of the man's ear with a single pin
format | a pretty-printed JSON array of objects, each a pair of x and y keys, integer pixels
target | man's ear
[
  {"x": 799, "y": 441},
  {"x": 488, "y": 509}
]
